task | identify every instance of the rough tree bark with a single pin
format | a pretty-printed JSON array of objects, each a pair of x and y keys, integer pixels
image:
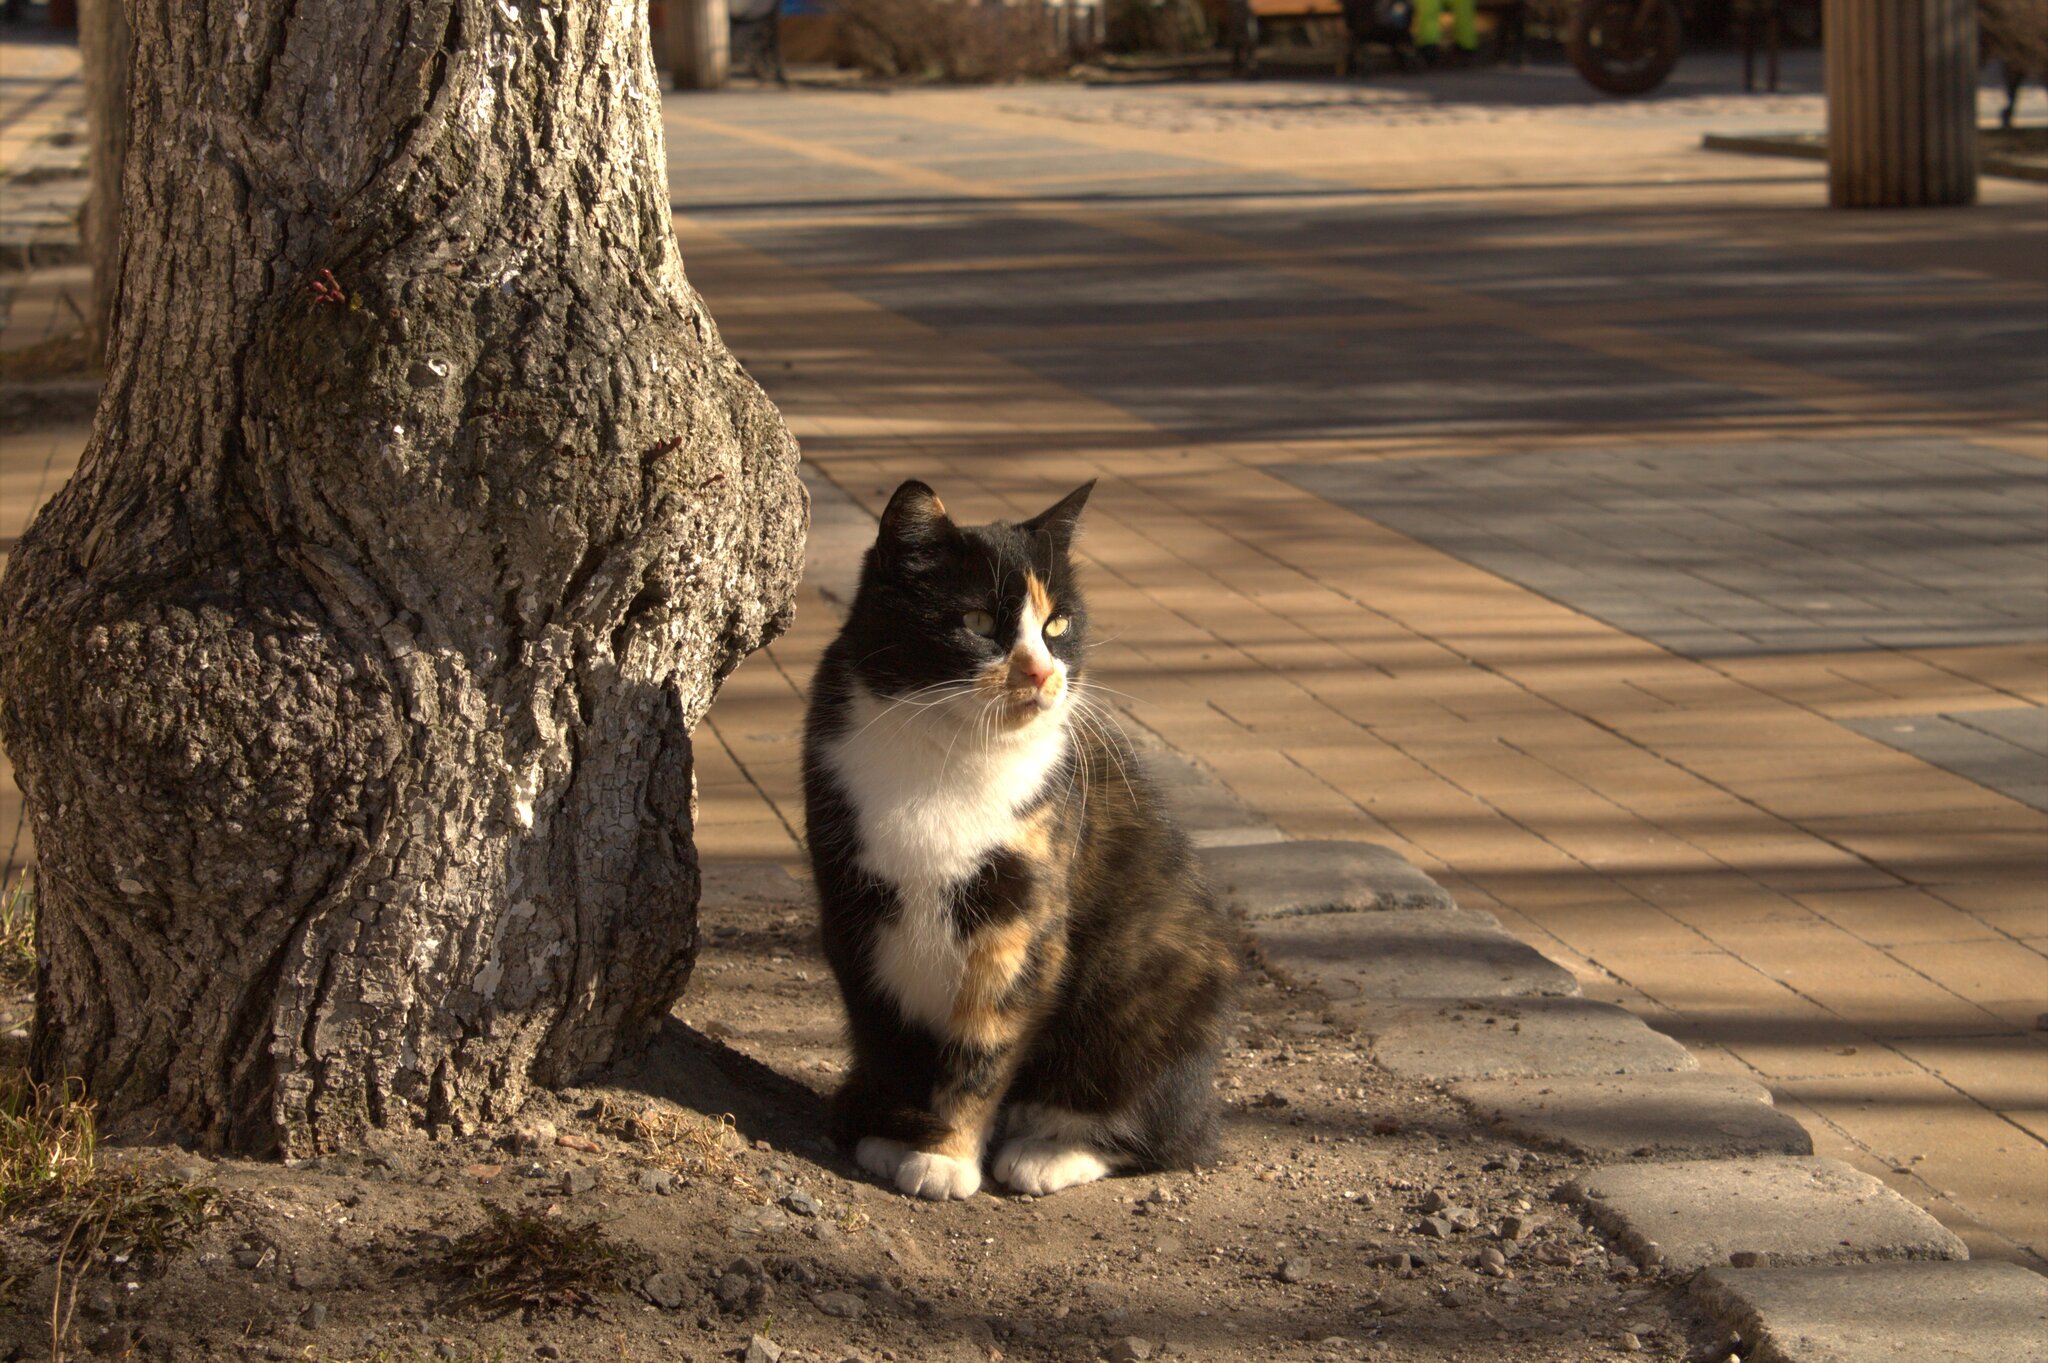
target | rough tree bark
[
  {"x": 350, "y": 682},
  {"x": 103, "y": 60}
]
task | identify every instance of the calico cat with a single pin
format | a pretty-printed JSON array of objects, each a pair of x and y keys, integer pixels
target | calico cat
[{"x": 1025, "y": 951}]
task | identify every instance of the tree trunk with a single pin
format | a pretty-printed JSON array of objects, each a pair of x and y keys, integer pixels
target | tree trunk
[
  {"x": 103, "y": 60},
  {"x": 350, "y": 682}
]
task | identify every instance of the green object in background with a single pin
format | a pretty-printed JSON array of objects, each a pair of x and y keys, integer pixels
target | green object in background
[{"x": 1429, "y": 23}]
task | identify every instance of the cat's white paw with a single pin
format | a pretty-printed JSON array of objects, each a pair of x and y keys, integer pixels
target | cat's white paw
[
  {"x": 880, "y": 1156},
  {"x": 1040, "y": 1167},
  {"x": 921, "y": 1173},
  {"x": 938, "y": 1177}
]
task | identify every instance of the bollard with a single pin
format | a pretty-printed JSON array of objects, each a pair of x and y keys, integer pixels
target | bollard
[
  {"x": 1902, "y": 102},
  {"x": 699, "y": 43}
]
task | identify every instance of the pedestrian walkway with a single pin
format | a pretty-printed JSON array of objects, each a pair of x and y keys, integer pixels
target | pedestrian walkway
[
  {"x": 1650, "y": 555},
  {"x": 42, "y": 141}
]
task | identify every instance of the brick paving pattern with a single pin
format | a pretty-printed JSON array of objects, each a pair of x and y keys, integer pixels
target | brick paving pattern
[{"x": 1743, "y": 547}]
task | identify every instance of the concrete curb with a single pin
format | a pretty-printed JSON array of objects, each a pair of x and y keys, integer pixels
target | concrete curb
[
  {"x": 1928, "y": 1312},
  {"x": 1689, "y": 1215},
  {"x": 1291, "y": 879},
  {"x": 1410, "y": 953},
  {"x": 1808, "y": 147},
  {"x": 1684, "y": 1114}
]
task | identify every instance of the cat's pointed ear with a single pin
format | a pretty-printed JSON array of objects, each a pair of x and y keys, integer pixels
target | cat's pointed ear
[
  {"x": 914, "y": 516},
  {"x": 1060, "y": 519}
]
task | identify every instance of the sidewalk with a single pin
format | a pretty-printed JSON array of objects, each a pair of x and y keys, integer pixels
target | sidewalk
[{"x": 1650, "y": 555}]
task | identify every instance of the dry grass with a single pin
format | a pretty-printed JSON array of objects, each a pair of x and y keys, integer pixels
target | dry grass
[
  {"x": 685, "y": 1144},
  {"x": 49, "y": 1167},
  {"x": 49, "y": 1141},
  {"x": 517, "y": 1261},
  {"x": 18, "y": 933},
  {"x": 956, "y": 41}
]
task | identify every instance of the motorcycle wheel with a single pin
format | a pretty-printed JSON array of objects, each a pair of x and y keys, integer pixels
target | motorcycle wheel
[{"x": 1624, "y": 47}]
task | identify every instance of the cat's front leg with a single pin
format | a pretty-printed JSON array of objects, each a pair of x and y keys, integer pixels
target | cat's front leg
[
  {"x": 978, "y": 1044},
  {"x": 946, "y": 1163}
]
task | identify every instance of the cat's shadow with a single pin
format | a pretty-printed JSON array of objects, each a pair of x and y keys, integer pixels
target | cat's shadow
[{"x": 691, "y": 1070}]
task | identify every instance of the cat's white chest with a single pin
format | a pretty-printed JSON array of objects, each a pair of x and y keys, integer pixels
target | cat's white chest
[{"x": 929, "y": 811}]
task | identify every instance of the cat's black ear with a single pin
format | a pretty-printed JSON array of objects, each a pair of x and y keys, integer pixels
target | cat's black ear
[
  {"x": 1059, "y": 519},
  {"x": 914, "y": 516}
]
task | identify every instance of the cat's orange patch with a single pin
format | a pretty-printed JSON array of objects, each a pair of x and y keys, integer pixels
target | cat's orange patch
[
  {"x": 995, "y": 958},
  {"x": 1041, "y": 599}
]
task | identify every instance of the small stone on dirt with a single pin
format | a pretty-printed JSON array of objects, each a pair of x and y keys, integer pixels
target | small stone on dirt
[
  {"x": 1516, "y": 1227},
  {"x": 655, "y": 1181},
  {"x": 840, "y": 1305},
  {"x": 761, "y": 1349},
  {"x": 1292, "y": 1270},
  {"x": 1436, "y": 1201},
  {"x": 313, "y": 1317},
  {"x": 531, "y": 1136},
  {"x": 1434, "y": 1228},
  {"x": 664, "y": 1290},
  {"x": 1130, "y": 1349},
  {"x": 1630, "y": 1344},
  {"x": 801, "y": 1202},
  {"x": 575, "y": 1142},
  {"x": 1397, "y": 1262},
  {"x": 1748, "y": 1258},
  {"x": 576, "y": 1182}
]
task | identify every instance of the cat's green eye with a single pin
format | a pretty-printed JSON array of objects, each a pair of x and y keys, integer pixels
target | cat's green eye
[
  {"x": 1055, "y": 627},
  {"x": 981, "y": 622}
]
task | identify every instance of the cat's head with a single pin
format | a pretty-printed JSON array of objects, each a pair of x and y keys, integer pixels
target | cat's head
[{"x": 983, "y": 623}]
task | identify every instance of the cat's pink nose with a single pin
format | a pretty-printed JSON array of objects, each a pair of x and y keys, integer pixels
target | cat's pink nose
[{"x": 1033, "y": 669}]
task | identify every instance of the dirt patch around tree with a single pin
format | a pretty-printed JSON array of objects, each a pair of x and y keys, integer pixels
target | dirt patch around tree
[{"x": 691, "y": 1210}]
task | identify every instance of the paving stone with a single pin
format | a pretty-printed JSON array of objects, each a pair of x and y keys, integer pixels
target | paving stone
[
  {"x": 1455, "y": 1039},
  {"x": 1694, "y": 1214},
  {"x": 2000, "y": 749},
  {"x": 840, "y": 533},
  {"x": 1666, "y": 1116},
  {"x": 1410, "y": 954},
  {"x": 1978, "y": 1312},
  {"x": 1280, "y": 880},
  {"x": 1203, "y": 806}
]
